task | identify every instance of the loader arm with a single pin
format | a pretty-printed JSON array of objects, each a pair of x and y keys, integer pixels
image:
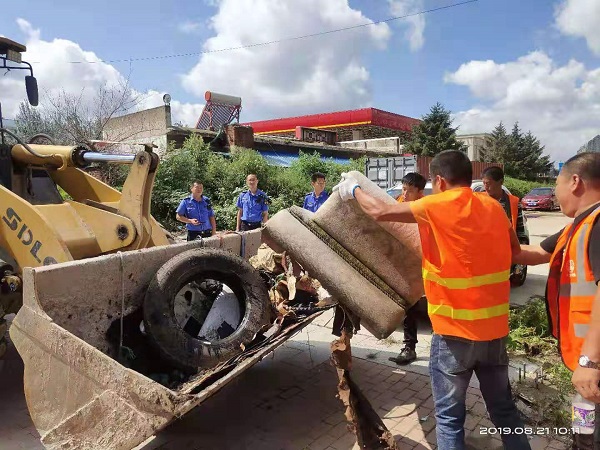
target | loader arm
[
  {"x": 133, "y": 202},
  {"x": 98, "y": 220}
]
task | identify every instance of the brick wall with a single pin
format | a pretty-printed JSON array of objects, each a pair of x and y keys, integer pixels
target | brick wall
[{"x": 239, "y": 136}]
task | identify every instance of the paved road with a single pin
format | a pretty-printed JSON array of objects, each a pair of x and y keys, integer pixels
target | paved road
[{"x": 288, "y": 401}]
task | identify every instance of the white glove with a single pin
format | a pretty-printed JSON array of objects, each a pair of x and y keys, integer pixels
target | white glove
[{"x": 346, "y": 187}]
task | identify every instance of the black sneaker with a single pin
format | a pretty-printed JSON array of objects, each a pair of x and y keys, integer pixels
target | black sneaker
[{"x": 406, "y": 356}]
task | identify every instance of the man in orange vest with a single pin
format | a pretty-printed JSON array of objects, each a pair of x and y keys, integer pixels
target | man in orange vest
[
  {"x": 467, "y": 293},
  {"x": 572, "y": 292},
  {"x": 493, "y": 180},
  {"x": 413, "y": 185}
]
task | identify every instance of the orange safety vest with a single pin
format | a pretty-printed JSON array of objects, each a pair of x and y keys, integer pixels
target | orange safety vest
[
  {"x": 514, "y": 210},
  {"x": 466, "y": 264},
  {"x": 571, "y": 289}
]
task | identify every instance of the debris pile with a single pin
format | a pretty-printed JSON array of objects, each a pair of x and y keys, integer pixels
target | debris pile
[
  {"x": 370, "y": 431},
  {"x": 292, "y": 292}
]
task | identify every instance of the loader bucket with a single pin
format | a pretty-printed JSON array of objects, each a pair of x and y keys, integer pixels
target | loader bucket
[{"x": 78, "y": 394}]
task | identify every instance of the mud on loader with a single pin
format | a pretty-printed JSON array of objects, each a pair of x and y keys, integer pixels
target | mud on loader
[{"x": 113, "y": 324}]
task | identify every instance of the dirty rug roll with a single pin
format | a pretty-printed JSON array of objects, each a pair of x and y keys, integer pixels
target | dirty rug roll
[
  {"x": 353, "y": 283},
  {"x": 390, "y": 249}
]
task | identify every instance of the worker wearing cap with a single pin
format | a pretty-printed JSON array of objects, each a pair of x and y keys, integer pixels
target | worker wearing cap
[
  {"x": 253, "y": 206},
  {"x": 573, "y": 289},
  {"x": 313, "y": 200},
  {"x": 467, "y": 293},
  {"x": 413, "y": 186},
  {"x": 197, "y": 213}
]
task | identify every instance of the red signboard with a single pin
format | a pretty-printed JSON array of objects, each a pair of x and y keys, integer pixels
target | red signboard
[
  {"x": 316, "y": 135},
  {"x": 394, "y": 121}
]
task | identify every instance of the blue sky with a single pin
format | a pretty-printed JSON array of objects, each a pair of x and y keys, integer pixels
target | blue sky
[{"x": 542, "y": 69}]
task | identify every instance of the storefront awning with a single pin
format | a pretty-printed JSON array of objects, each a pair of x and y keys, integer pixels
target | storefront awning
[{"x": 283, "y": 159}]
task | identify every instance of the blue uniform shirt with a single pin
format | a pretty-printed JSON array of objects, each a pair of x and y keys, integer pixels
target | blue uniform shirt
[
  {"x": 312, "y": 202},
  {"x": 194, "y": 209},
  {"x": 253, "y": 205}
]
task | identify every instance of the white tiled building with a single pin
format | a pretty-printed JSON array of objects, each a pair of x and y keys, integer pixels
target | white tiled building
[{"x": 475, "y": 143}]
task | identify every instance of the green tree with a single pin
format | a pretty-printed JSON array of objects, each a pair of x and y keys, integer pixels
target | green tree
[
  {"x": 521, "y": 153},
  {"x": 497, "y": 145},
  {"x": 536, "y": 161},
  {"x": 434, "y": 134}
]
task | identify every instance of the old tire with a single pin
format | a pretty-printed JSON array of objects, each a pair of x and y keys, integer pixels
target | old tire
[{"x": 179, "y": 347}]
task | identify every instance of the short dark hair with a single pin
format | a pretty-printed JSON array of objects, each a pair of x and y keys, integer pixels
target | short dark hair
[
  {"x": 415, "y": 179},
  {"x": 586, "y": 165},
  {"x": 454, "y": 166},
  {"x": 196, "y": 182},
  {"x": 495, "y": 173},
  {"x": 315, "y": 176}
]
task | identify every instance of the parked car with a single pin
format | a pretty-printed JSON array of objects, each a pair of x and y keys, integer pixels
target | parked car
[
  {"x": 542, "y": 198},
  {"x": 518, "y": 271}
]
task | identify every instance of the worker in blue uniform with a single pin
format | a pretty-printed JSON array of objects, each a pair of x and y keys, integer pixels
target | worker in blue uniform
[
  {"x": 253, "y": 206},
  {"x": 319, "y": 195},
  {"x": 197, "y": 213}
]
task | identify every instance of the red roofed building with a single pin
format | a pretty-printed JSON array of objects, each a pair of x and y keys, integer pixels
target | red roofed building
[{"x": 365, "y": 123}]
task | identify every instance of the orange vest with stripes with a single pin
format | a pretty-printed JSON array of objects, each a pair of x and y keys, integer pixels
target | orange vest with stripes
[
  {"x": 571, "y": 289},
  {"x": 514, "y": 210},
  {"x": 466, "y": 263}
]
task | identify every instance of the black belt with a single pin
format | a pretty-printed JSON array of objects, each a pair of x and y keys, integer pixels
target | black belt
[{"x": 251, "y": 223}]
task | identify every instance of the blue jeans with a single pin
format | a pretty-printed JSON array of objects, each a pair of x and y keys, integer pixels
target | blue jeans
[{"x": 453, "y": 361}]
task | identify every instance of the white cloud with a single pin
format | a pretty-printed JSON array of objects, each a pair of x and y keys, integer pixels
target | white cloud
[
  {"x": 55, "y": 75},
  {"x": 186, "y": 113},
  {"x": 293, "y": 77},
  {"x": 559, "y": 104},
  {"x": 415, "y": 25},
  {"x": 189, "y": 27},
  {"x": 580, "y": 18}
]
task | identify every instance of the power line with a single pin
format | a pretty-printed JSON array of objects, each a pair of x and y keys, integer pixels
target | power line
[{"x": 260, "y": 44}]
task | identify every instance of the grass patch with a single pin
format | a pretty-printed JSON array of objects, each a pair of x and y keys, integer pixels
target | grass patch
[{"x": 545, "y": 400}]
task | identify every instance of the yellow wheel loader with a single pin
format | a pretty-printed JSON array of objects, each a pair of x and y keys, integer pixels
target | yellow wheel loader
[{"x": 117, "y": 329}]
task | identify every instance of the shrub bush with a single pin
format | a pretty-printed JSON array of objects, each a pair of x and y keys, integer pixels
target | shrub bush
[
  {"x": 224, "y": 178},
  {"x": 521, "y": 188}
]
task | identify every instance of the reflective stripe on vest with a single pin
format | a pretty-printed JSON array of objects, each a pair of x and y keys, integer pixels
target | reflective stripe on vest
[
  {"x": 580, "y": 329},
  {"x": 467, "y": 283},
  {"x": 572, "y": 289},
  {"x": 581, "y": 288},
  {"x": 468, "y": 314}
]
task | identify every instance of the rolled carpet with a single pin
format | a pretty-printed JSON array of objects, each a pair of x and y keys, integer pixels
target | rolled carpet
[
  {"x": 390, "y": 249},
  {"x": 351, "y": 281}
]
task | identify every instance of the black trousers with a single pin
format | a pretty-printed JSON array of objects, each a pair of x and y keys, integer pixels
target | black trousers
[
  {"x": 410, "y": 328},
  {"x": 193, "y": 235},
  {"x": 588, "y": 441},
  {"x": 247, "y": 226}
]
